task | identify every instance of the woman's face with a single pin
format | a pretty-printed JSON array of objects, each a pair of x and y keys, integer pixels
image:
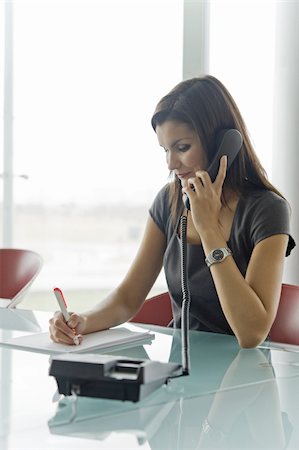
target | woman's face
[{"x": 184, "y": 152}]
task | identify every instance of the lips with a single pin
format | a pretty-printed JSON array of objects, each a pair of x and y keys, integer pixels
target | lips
[{"x": 183, "y": 176}]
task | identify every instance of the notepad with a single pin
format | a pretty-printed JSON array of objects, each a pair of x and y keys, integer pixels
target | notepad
[{"x": 100, "y": 340}]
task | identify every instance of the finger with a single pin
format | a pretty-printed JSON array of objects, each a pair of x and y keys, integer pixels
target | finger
[
  {"x": 77, "y": 339},
  {"x": 204, "y": 177},
  {"x": 74, "y": 320},
  {"x": 77, "y": 323},
  {"x": 189, "y": 188},
  {"x": 59, "y": 337},
  {"x": 59, "y": 330},
  {"x": 202, "y": 181},
  {"x": 221, "y": 173}
]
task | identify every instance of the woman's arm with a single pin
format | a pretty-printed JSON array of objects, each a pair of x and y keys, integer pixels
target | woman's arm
[
  {"x": 250, "y": 304},
  {"x": 122, "y": 303}
]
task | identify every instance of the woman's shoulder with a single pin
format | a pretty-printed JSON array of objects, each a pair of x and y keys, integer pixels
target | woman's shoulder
[
  {"x": 161, "y": 199},
  {"x": 160, "y": 208},
  {"x": 264, "y": 200},
  {"x": 266, "y": 213}
]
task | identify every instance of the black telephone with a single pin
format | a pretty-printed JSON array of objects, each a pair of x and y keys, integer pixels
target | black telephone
[{"x": 230, "y": 143}]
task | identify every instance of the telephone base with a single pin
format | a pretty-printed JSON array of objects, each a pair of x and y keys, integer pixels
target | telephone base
[{"x": 110, "y": 377}]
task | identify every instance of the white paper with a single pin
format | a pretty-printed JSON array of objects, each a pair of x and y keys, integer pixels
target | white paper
[{"x": 41, "y": 342}]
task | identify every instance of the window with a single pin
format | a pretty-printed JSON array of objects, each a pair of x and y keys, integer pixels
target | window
[
  {"x": 242, "y": 45},
  {"x": 87, "y": 76}
]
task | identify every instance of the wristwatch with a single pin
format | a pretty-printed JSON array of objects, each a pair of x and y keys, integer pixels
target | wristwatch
[{"x": 217, "y": 255}]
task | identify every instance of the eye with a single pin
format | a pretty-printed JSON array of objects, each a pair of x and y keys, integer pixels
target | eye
[{"x": 183, "y": 147}]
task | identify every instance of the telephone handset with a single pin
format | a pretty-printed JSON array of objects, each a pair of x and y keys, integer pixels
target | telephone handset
[{"x": 230, "y": 143}]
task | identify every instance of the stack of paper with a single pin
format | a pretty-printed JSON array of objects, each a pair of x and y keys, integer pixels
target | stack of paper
[{"x": 107, "y": 339}]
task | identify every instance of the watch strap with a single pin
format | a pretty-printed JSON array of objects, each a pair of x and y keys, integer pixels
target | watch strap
[{"x": 217, "y": 255}]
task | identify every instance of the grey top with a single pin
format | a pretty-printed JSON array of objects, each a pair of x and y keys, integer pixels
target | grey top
[{"x": 259, "y": 215}]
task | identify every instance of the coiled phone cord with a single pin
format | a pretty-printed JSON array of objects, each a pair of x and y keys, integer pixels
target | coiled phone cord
[{"x": 186, "y": 297}]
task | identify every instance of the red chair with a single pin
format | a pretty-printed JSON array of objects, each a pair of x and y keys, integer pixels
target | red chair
[
  {"x": 285, "y": 328},
  {"x": 18, "y": 270},
  {"x": 155, "y": 311}
]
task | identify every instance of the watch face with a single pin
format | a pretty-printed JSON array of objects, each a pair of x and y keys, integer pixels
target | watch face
[{"x": 218, "y": 254}]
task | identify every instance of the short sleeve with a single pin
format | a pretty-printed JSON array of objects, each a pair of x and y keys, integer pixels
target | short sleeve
[
  {"x": 160, "y": 209},
  {"x": 272, "y": 216}
]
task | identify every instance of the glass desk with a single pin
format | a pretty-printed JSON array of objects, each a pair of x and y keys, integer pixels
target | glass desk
[{"x": 232, "y": 399}]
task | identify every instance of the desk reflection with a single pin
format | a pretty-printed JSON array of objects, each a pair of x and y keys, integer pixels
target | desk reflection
[
  {"x": 247, "y": 417},
  {"x": 237, "y": 406},
  {"x": 18, "y": 319}
]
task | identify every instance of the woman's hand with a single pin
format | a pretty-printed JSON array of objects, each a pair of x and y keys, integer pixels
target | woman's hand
[
  {"x": 62, "y": 332},
  {"x": 205, "y": 197}
]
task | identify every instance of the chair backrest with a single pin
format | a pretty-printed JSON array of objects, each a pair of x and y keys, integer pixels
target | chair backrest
[
  {"x": 18, "y": 269},
  {"x": 155, "y": 311},
  {"x": 285, "y": 328}
]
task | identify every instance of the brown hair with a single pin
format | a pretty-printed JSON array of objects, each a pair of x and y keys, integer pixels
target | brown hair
[{"x": 206, "y": 105}]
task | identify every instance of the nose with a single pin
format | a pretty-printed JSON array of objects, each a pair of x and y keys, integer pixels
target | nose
[{"x": 173, "y": 160}]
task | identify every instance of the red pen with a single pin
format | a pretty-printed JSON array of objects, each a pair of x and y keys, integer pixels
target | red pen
[{"x": 63, "y": 308}]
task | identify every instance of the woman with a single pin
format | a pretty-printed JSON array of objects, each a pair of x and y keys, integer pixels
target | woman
[{"x": 241, "y": 212}]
